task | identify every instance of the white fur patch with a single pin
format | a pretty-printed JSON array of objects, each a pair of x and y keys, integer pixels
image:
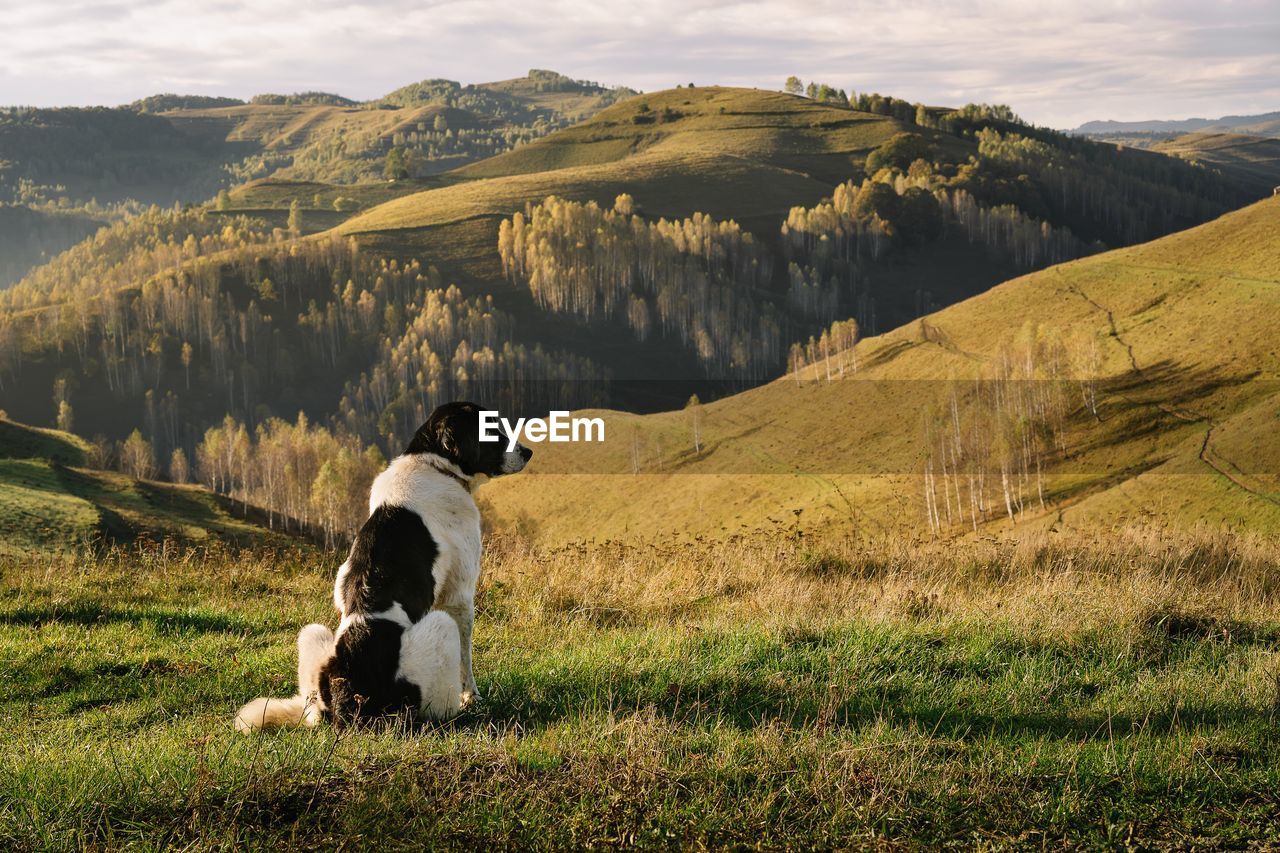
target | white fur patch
[
  {"x": 395, "y": 613},
  {"x": 414, "y": 481},
  {"x": 430, "y": 658},
  {"x": 315, "y": 647},
  {"x": 343, "y": 570}
]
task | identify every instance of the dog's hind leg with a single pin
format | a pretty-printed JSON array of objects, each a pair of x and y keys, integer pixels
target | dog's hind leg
[{"x": 430, "y": 658}]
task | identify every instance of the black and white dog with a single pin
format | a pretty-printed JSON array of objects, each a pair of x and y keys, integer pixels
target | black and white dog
[{"x": 407, "y": 591}]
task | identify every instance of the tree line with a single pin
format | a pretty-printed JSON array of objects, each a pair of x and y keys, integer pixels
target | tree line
[
  {"x": 305, "y": 477},
  {"x": 697, "y": 279},
  {"x": 1102, "y": 193},
  {"x": 832, "y": 247},
  {"x": 459, "y": 348}
]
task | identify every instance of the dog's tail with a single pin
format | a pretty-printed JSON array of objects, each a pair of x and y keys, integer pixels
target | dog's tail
[
  {"x": 315, "y": 647},
  {"x": 299, "y": 711}
]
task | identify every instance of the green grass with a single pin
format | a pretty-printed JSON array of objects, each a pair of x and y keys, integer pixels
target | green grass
[
  {"x": 760, "y": 126},
  {"x": 930, "y": 725},
  {"x": 20, "y": 441},
  {"x": 316, "y": 198},
  {"x": 37, "y": 511},
  {"x": 732, "y": 153}
]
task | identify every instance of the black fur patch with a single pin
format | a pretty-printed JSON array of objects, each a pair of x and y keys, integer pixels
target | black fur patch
[
  {"x": 359, "y": 681},
  {"x": 391, "y": 562},
  {"x": 452, "y": 432}
]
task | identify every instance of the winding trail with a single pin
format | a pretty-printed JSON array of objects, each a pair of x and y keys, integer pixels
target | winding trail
[{"x": 1184, "y": 414}]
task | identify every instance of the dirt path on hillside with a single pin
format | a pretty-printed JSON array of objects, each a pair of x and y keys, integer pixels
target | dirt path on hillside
[{"x": 1184, "y": 414}]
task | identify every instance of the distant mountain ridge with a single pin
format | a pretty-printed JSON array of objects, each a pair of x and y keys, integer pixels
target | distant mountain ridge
[
  {"x": 1264, "y": 124},
  {"x": 103, "y": 164}
]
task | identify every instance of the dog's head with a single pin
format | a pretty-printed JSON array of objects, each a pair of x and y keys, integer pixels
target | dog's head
[{"x": 453, "y": 432}]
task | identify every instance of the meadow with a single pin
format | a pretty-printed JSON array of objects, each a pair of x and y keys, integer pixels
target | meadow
[{"x": 1058, "y": 689}]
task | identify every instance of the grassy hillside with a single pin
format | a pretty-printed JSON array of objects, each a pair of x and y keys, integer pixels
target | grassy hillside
[
  {"x": 50, "y": 500},
  {"x": 1252, "y": 160},
  {"x": 1187, "y": 367},
  {"x": 733, "y": 153},
  {"x": 1060, "y": 692},
  {"x": 771, "y": 128}
]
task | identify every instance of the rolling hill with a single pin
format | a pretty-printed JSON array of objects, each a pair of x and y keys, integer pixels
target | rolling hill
[
  {"x": 672, "y": 243},
  {"x": 745, "y": 155},
  {"x": 172, "y": 149},
  {"x": 1253, "y": 161},
  {"x": 50, "y": 499},
  {"x": 1187, "y": 374}
]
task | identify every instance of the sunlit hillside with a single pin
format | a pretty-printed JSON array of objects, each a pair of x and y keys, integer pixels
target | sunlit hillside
[
  {"x": 672, "y": 243},
  {"x": 1186, "y": 368}
]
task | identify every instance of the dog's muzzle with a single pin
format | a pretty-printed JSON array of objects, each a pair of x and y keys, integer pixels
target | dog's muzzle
[{"x": 515, "y": 460}]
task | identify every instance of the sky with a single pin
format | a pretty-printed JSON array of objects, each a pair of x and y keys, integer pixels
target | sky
[{"x": 1056, "y": 64}]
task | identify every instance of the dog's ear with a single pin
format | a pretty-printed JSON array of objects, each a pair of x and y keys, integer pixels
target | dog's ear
[
  {"x": 446, "y": 437},
  {"x": 450, "y": 431}
]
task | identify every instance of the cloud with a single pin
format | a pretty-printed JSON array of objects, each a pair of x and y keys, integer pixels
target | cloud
[{"x": 1057, "y": 63}]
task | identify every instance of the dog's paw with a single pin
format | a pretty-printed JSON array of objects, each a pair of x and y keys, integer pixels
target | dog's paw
[{"x": 469, "y": 698}]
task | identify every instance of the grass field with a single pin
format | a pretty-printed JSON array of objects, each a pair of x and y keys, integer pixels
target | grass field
[{"x": 1118, "y": 691}]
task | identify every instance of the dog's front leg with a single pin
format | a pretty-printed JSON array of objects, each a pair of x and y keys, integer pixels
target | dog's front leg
[{"x": 465, "y": 615}]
